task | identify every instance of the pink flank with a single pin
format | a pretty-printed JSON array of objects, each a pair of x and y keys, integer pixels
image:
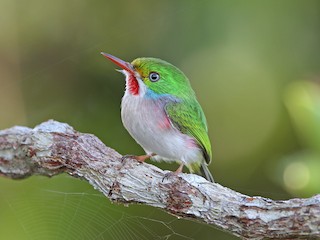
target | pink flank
[
  {"x": 191, "y": 143},
  {"x": 164, "y": 123}
]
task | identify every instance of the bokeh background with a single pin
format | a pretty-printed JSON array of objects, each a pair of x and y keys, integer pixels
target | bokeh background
[{"x": 255, "y": 66}]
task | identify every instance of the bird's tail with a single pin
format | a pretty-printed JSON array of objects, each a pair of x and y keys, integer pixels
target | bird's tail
[{"x": 205, "y": 172}]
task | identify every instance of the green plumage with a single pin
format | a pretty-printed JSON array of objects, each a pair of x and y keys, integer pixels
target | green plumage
[{"x": 188, "y": 117}]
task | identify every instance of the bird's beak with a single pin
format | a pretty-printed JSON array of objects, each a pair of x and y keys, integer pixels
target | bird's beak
[{"x": 124, "y": 65}]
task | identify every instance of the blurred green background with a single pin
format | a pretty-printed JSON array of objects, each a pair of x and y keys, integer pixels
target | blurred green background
[{"x": 255, "y": 66}]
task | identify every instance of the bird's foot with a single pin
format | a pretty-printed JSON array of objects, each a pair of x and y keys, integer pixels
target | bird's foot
[
  {"x": 175, "y": 173},
  {"x": 140, "y": 158},
  {"x": 125, "y": 157}
]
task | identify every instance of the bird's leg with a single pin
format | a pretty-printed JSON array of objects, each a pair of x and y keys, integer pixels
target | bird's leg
[
  {"x": 179, "y": 170},
  {"x": 140, "y": 158}
]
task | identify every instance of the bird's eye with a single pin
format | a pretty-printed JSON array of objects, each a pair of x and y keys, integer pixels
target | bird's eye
[{"x": 153, "y": 76}]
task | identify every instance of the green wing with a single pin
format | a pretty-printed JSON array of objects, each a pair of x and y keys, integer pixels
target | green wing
[{"x": 189, "y": 118}]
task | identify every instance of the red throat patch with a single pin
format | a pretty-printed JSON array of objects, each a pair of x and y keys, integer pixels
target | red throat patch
[{"x": 133, "y": 85}]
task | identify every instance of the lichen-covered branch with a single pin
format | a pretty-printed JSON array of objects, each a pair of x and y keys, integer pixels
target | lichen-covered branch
[{"x": 53, "y": 147}]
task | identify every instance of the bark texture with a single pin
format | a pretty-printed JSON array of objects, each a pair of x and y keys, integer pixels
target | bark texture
[{"x": 53, "y": 147}]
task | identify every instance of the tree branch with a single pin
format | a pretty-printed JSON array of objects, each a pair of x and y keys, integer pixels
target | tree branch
[{"x": 52, "y": 148}]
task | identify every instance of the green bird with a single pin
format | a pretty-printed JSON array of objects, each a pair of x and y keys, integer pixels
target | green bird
[{"x": 160, "y": 111}]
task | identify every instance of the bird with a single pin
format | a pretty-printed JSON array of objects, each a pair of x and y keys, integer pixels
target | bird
[{"x": 160, "y": 111}]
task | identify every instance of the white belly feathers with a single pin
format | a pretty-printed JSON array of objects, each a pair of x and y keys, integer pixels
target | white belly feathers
[{"x": 148, "y": 124}]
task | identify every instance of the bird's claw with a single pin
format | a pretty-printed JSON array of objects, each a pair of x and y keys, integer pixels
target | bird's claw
[
  {"x": 125, "y": 157},
  {"x": 140, "y": 159}
]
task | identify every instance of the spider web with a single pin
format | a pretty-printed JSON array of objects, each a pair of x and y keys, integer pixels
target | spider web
[{"x": 48, "y": 213}]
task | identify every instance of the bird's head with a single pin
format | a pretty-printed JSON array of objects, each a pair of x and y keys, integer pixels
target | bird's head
[{"x": 152, "y": 77}]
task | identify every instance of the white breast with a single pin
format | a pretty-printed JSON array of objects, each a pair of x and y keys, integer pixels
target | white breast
[{"x": 146, "y": 121}]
